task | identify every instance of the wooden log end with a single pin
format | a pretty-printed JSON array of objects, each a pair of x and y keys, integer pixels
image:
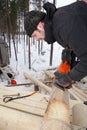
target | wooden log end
[{"x": 79, "y": 115}]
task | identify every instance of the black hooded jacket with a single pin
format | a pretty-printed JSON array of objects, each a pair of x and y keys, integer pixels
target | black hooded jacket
[{"x": 69, "y": 28}]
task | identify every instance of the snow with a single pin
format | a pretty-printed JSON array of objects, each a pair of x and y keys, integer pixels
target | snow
[{"x": 39, "y": 62}]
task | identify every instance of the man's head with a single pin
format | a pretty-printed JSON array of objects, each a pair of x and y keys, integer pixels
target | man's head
[{"x": 34, "y": 23}]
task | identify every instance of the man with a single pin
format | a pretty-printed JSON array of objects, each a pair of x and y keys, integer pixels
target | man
[{"x": 66, "y": 25}]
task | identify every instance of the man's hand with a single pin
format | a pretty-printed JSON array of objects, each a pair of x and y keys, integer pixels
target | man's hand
[{"x": 63, "y": 80}]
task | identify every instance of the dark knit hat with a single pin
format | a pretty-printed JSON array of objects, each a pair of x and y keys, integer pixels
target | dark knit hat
[{"x": 31, "y": 21}]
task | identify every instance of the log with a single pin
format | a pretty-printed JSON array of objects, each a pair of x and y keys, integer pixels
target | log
[
  {"x": 52, "y": 124},
  {"x": 49, "y": 74},
  {"x": 16, "y": 120},
  {"x": 73, "y": 93},
  {"x": 57, "y": 114},
  {"x": 79, "y": 93},
  {"x": 37, "y": 82},
  {"x": 79, "y": 115}
]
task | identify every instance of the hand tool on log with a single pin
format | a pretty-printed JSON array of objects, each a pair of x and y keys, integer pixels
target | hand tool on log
[
  {"x": 10, "y": 98},
  {"x": 19, "y": 84}
]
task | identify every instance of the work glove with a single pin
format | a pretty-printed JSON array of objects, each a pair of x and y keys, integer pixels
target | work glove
[
  {"x": 64, "y": 67},
  {"x": 63, "y": 80}
]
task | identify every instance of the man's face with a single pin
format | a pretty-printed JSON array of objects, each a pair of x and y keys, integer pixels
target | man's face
[{"x": 39, "y": 33}]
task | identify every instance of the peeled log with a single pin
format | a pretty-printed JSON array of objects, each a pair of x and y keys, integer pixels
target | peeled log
[
  {"x": 79, "y": 115},
  {"x": 52, "y": 124},
  {"x": 57, "y": 115},
  {"x": 58, "y": 110},
  {"x": 37, "y": 82},
  {"x": 11, "y": 119}
]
